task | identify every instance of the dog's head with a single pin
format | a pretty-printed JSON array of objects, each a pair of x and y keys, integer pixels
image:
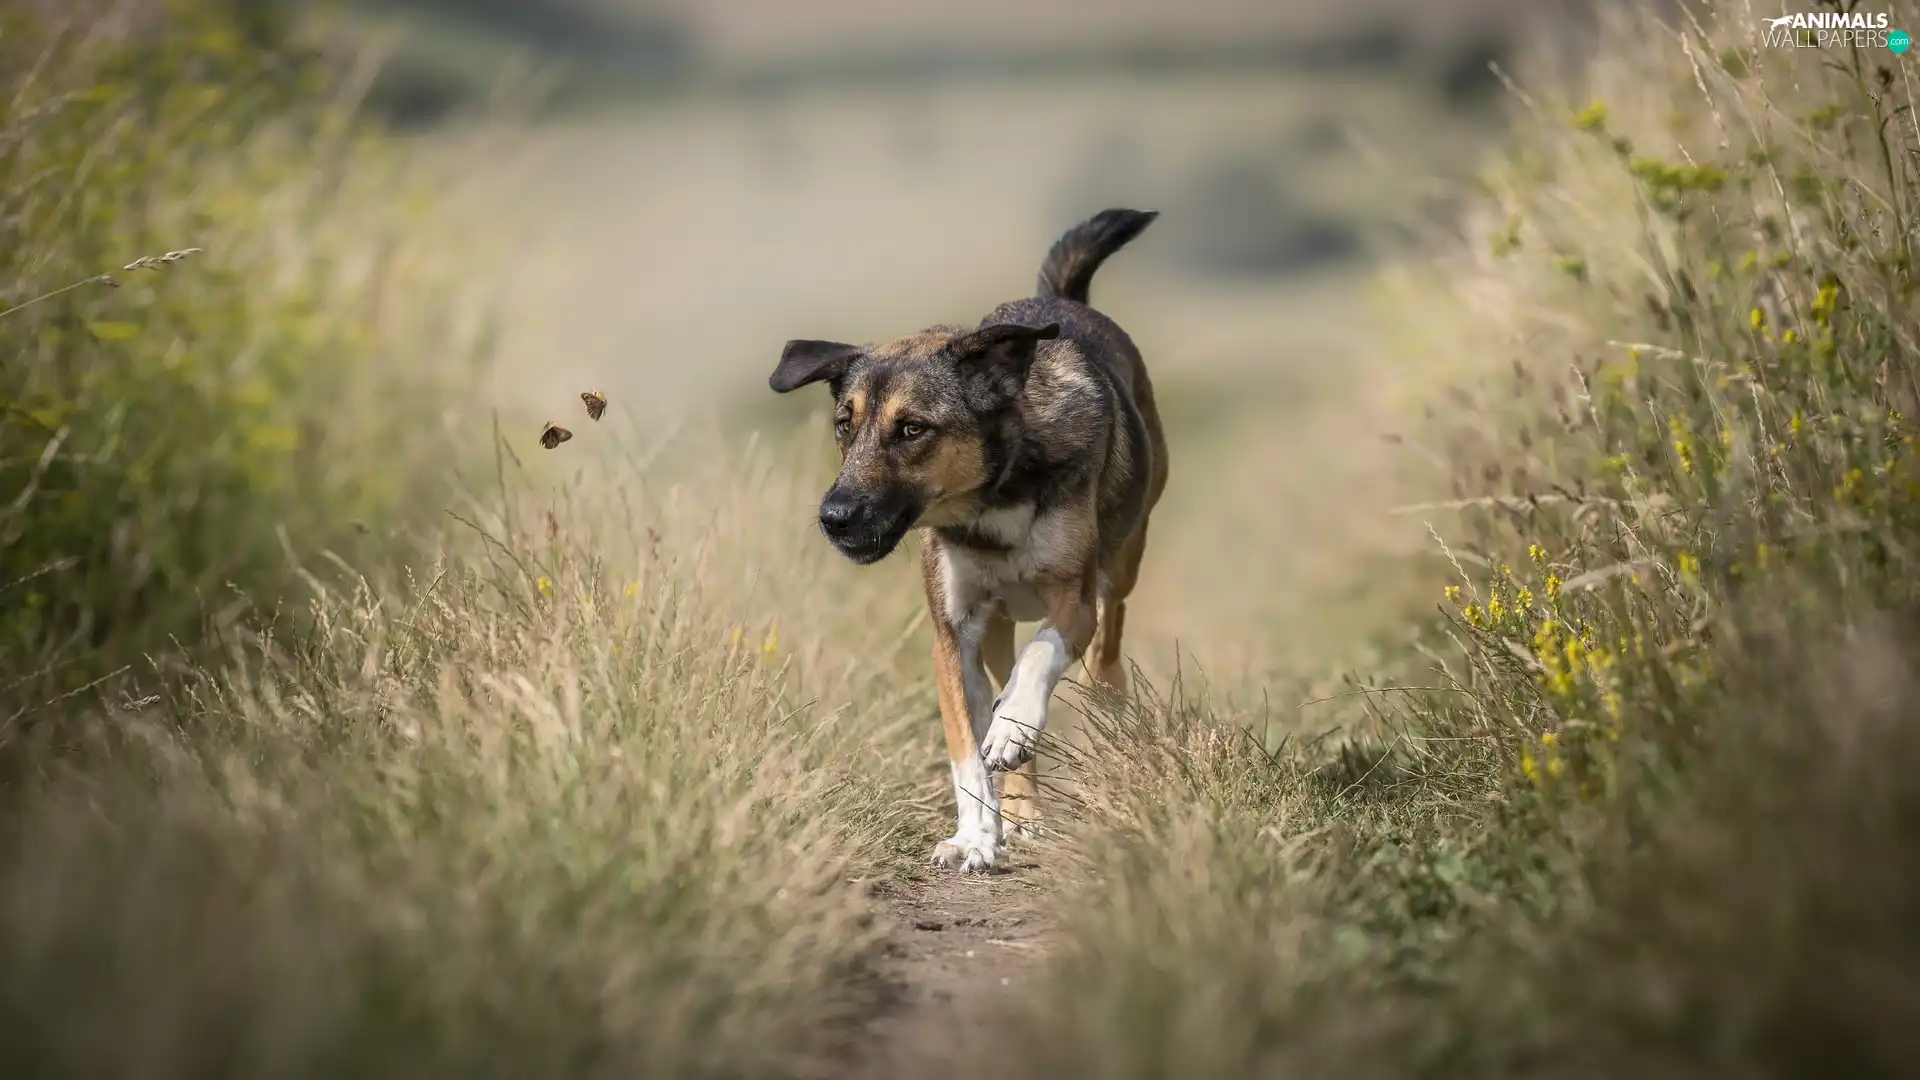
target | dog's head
[{"x": 913, "y": 418}]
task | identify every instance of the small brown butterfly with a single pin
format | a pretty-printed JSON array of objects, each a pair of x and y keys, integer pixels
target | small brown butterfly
[
  {"x": 553, "y": 435},
  {"x": 596, "y": 404}
]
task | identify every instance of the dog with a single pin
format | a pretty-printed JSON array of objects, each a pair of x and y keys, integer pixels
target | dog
[{"x": 1028, "y": 453}]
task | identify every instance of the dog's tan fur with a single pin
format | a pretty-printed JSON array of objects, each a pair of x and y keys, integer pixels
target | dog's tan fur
[{"x": 1029, "y": 454}]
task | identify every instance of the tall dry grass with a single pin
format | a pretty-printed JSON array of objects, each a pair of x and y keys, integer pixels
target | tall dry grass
[{"x": 528, "y": 810}]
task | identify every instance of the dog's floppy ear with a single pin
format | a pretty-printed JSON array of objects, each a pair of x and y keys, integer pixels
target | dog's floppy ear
[
  {"x": 994, "y": 360},
  {"x": 803, "y": 362}
]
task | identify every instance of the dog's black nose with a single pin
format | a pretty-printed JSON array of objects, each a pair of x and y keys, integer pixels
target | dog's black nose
[{"x": 839, "y": 513}]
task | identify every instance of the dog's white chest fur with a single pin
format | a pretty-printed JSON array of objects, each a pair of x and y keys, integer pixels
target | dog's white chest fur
[{"x": 977, "y": 579}]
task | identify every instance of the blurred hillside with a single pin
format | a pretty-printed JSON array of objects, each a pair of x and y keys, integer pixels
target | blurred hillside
[
  {"x": 599, "y": 49},
  {"x": 771, "y": 27}
]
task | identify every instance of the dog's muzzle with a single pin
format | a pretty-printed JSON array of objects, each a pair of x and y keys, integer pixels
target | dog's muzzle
[{"x": 864, "y": 527}]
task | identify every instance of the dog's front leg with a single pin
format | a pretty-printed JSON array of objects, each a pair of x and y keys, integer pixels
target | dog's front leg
[
  {"x": 965, "y": 700},
  {"x": 1020, "y": 712}
]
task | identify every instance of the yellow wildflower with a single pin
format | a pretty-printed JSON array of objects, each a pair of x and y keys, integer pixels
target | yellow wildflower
[
  {"x": 1682, "y": 442},
  {"x": 1546, "y": 649},
  {"x": 545, "y": 585},
  {"x": 1538, "y": 554},
  {"x": 1825, "y": 303},
  {"x": 1553, "y": 588},
  {"x": 1555, "y": 767},
  {"x": 772, "y": 644},
  {"x": 1453, "y": 594}
]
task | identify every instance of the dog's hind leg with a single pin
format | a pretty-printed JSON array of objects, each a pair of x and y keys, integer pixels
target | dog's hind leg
[
  {"x": 1020, "y": 801},
  {"x": 1105, "y": 662},
  {"x": 1019, "y": 789}
]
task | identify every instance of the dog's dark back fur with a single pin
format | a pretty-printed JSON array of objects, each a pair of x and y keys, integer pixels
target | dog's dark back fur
[{"x": 1112, "y": 439}]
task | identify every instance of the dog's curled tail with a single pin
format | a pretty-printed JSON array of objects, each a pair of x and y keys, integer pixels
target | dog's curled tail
[{"x": 1068, "y": 269}]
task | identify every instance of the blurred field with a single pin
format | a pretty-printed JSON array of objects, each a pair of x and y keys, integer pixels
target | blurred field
[
  {"x": 672, "y": 253},
  {"x": 605, "y": 51},
  {"x": 345, "y": 731}
]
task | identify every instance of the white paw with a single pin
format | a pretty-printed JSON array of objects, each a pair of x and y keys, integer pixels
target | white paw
[
  {"x": 970, "y": 853},
  {"x": 1016, "y": 728}
]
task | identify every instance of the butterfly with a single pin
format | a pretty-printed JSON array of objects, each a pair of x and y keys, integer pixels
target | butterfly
[
  {"x": 596, "y": 404},
  {"x": 553, "y": 435}
]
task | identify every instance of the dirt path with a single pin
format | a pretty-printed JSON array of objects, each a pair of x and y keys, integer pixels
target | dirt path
[{"x": 962, "y": 944}]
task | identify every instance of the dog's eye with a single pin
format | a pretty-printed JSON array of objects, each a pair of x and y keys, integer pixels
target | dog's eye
[
  {"x": 840, "y": 429},
  {"x": 912, "y": 431}
]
